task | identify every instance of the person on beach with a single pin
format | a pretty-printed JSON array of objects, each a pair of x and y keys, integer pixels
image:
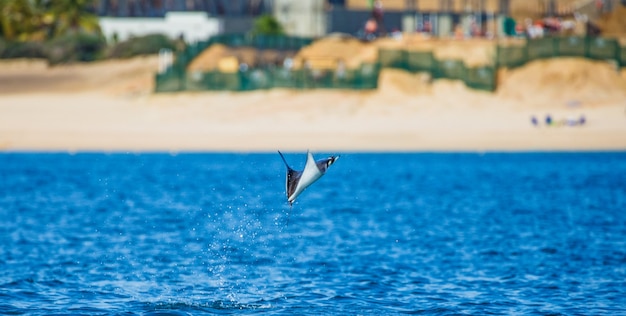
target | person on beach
[
  {"x": 548, "y": 120},
  {"x": 377, "y": 14},
  {"x": 371, "y": 27}
]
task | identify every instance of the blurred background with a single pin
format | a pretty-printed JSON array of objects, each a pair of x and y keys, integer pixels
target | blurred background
[
  {"x": 558, "y": 62},
  {"x": 230, "y": 36}
]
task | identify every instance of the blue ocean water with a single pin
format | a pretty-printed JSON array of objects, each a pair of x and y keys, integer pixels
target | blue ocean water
[{"x": 190, "y": 234}]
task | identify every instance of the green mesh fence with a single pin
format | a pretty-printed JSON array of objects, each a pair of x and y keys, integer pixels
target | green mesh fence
[
  {"x": 511, "y": 56},
  {"x": 212, "y": 80},
  {"x": 420, "y": 61},
  {"x": 541, "y": 48},
  {"x": 587, "y": 47},
  {"x": 604, "y": 48},
  {"x": 450, "y": 69},
  {"x": 366, "y": 77},
  {"x": 481, "y": 78},
  {"x": 571, "y": 46},
  {"x": 169, "y": 81},
  {"x": 392, "y": 58}
]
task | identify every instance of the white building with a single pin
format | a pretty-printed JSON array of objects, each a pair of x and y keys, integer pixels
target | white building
[
  {"x": 192, "y": 26},
  {"x": 193, "y": 19},
  {"x": 306, "y": 18}
]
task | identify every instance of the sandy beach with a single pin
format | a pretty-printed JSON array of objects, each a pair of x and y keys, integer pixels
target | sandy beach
[{"x": 110, "y": 106}]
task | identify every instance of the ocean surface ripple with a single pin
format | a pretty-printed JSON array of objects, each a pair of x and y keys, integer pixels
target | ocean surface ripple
[{"x": 189, "y": 234}]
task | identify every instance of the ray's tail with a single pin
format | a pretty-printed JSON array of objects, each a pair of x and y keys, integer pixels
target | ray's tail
[
  {"x": 289, "y": 214},
  {"x": 289, "y": 169}
]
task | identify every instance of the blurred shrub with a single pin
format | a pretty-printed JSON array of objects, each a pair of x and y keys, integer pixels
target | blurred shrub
[
  {"x": 142, "y": 45},
  {"x": 267, "y": 25},
  {"x": 84, "y": 47},
  {"x": 15, "y": 49},
  {"x": 75, "y": 46}
]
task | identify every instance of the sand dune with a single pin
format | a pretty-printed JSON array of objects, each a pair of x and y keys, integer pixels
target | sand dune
[
  {"x": 564, "y": 80},
  {"x": 109, "y": 106}
]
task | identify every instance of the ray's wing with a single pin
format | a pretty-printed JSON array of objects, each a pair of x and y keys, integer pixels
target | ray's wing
[
  {"x": 293, "y": 177},
  {"x": 310, "y": 162},
  {"x": 310, "y": 173},
  {"x": 323, "y": 164}
]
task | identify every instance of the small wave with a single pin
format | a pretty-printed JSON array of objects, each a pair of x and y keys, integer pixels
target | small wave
[{"x": 185, "y": 308}]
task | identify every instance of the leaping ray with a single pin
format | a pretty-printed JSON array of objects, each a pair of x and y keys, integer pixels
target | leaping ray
[{"x": 298, "y": 181}]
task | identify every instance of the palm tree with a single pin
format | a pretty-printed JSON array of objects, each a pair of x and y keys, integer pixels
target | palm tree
[
  {"x": 19, "y": 19},
  {"x": 73, "y": 16},
  {"x": 42, "y": 19}
]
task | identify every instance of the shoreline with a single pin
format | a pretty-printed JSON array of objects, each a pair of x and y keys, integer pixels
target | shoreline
[{"x": 148, "y": 129}]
